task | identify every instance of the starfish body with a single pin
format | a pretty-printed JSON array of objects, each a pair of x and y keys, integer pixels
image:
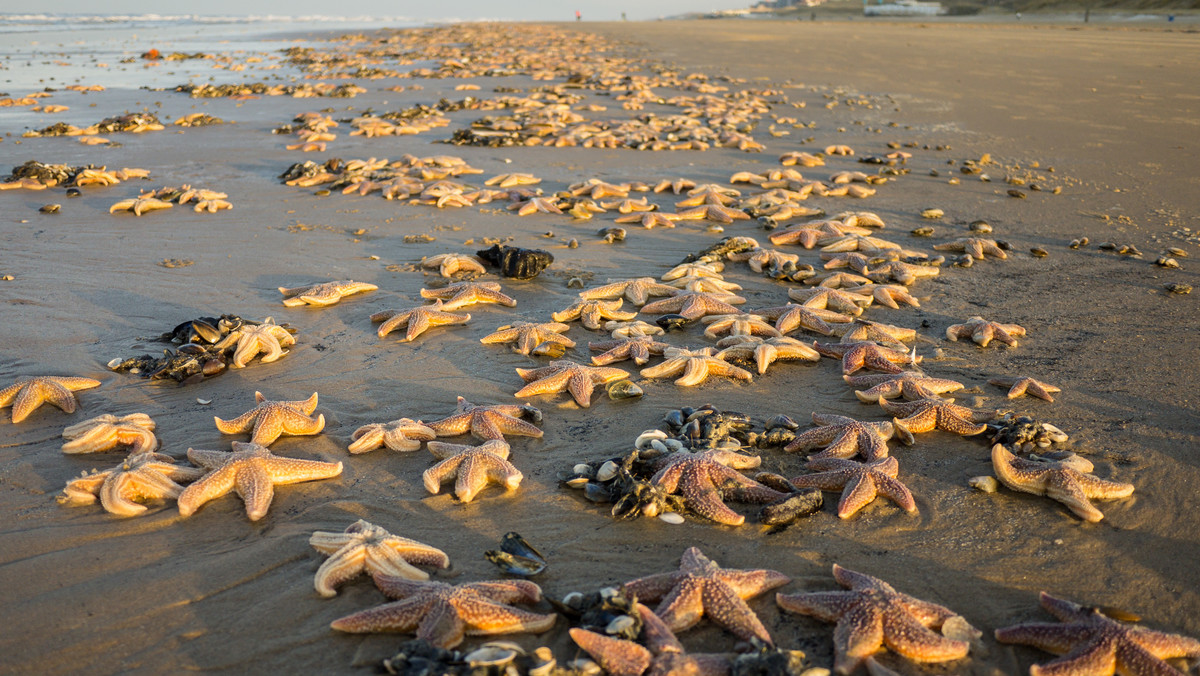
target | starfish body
[
  {"x": 924, "y": 415},
  {"x": 826, "y": 298},
  {"x": 534, "y": 205},
  {"x": 843, "y": 437},
  {"x": 983, "y": 332},
  {"x": 462, "y": 294},
  {"x": 563, "y": 374},
  {"x": 904, "y": 273},
  {"x": 637, "y": 348},
  {"x": 122, "y": 489},
  {"x": 739, "y": 324},
  {"x": 269, "y": 420},
  {"x": 443, "y": 614},
  {"x": 637, "y": 291},
  {"x": 486, "y": 422},
  {"x": 766, "y": 352},
  {"x": 106, "y": 432},
  {"x": 860, "y": 483},
  {"x": 527, "y": 336},
  {"x": 862, "y": 330},
  {"x": 399, "y": 435},
  {"x": 471, "y": 468},
  {"x": 1092, "y": 644},
  {"x": 1019, "y": 387},
  {"x": 25, "y": 396},
  {"x": 323, "y": 294},
  {"x": 253, "y": 339},
  {"x": 416, "y": 320},
  {"x": 251, "y": 470},
  {"x": 592, "y": 313},
  {"x": 794, "y": 316},
  {"x": 1068, "y": 485},
  {"x": 140, "y": 205},
  {"x": 975, "y": 246},
  {"x": 857, "y": 356},
  {"x": 366, "y": 548},
  {"x": 707, "y": 478},
  {"x": 695, "y": 365},
  {"x": 871, "y": 615},
  {"x": 650, "y": 219},
  {"x": 694, "y": 304},
  {"x": 889, "y": 295},
  {"x": 450, "y": 264},
  {"x": 807, "y": 234},
  {"x": 907, "y": 384},
  {"x": 702, "y": 588},
  {"x": 664, "y": 657}
]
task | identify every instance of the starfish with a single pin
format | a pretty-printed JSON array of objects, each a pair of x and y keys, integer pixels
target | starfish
[
  {"x": 591, "y": 313},
  {"x": 417, "y": 320},
  {"x": 365, "y": 547},
  {"x": 676, "y": 186},
  {"x": 471, "y": 467},
  {"x": 533, "y": 205},
  {"x": 25, "y": 396},
  {"x": 442, "y": 614},
  {"x": 528, "y": 335},
  {"x": 712, "y": 212},
  {"x": 665, "y": 656},
  {"x": 983, "y": 332},
  {"x": 271, "y": 419},
  {"x": 650, "y": 219},
  {"x": 323, "y": 294},
  {"x": 696, "y": 366},
  {"x": 121, "y": 489},
  {"x": 140, "y": 205},
  {"x": 852, "y": 242},
  {"x": 888, "y": 295},
  {"x": 838, "y": 280},
  {"x": 766, "y": 259},
  {"x": 860, "y": 483},
  {"x": 694, "y": 304},
  {"x": 700, "y": 587},
  {"x": 975, "y": 246},
  {"x": 794, "y": 316},
  {"x": 849, "y": 259},
  {"x": 709, "y": 194},
  {"x": 487, "y": 422},
  {"x": 739, "y": 324},
  {"x": 844, "y": 437},
  {"x": 1020, "y": 386},
  {"x": 252, "y": 339},
  {"x": 825, "y": 298},
  {"x": 865, "y": 331},
  {"x": 636, "y": 291},
  {"x": 404, "y": 434},
  {"x": 705, "y": 284},
  {"x": 512, "y": 180},
  {"x": 1068, "y": 485},
  {"x": 462, "y": 294},
  {"x": 633, "y": 328},
  {"x": 857, "y": 356},
  {"x": 905, "y": 273},
  {"x": 708, "y": 478},
  {"x": 873, "y": 614},
  {"x": 630, "y": 206},
  {"x": 1093, "y": 644},
  {"x": 106, "y": 432},
  {"x": 637, "y": 348},
  {"x": 765, "y": 352},
  {"x": 710, "y": 269},
  {"x": 565, "y": 374},
  {"x": 807, "y": 234},
  {"x": 597, "y": 189},
  {"x": 924, "y": 415},
  {"x": 253, "y": 471},
  {"x": 907, "y": 384},
  {"x": 450, "y": 264}
]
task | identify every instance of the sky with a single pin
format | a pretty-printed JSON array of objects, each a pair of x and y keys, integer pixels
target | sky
[{"x": 527, "y": 10}]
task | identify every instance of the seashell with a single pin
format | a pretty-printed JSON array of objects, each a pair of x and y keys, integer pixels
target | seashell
[
  {"x": 660, "y": 446},
  {"x": 1176, "y": 287},
  {"x": 805, "y": 503},
  {"x": 624, "y": 389},
  {"x": 980, "y": 227},
  {"x": 584, "y": 667},
  {"x": 573, "y": 599},
  {"x": 1017, "y": 194},
  {"x": 675, "y": 418},
  {"x": 549, "y": 349},
  {"x": 577, "y": 482},
  {"x": 619, "y": 625},
  {"x": 1119, "y": 614},
  {"x": 531, "y": 413},
  {"x": 514, "y": 564},
  {"x": 515, "y": 262},
  {"x": 958, "y": 629},
  {"x": 611, "y": 235},
  {"x": 987, "y": 484},
  {"x": 673, "y": 445},
  {"x": 114, "y": 363},
  {"x": 490, "y": 656},
  {"x": 74, "y": 192},
  {"x": 546, "y": 662},
  {"x": 1039, "y": 252},
  {"x": 932, "y": 212},
  {"x": 607, "y": 471},
  {"x": 571, "y": 244},
  {"x": 643, "y": 439},
  {"x": 582, "y": 469},
  {"x": 1166, "y": 262},
  {"x": 775, "y": 481},
  {"x": 575, "y": 283},
  {"x": 1076, "y": 243},
  {"x": 50, "y": 208},
  {"x": 203, "y": 402},
  {"x": 922, "y": 232},
  {"x": 782, "y": 421},
  {"x": 1107, "y": 246},
  {"x": 673, "y": 518},
  {"x": 597, "y": 493},
  {"x": 670, "y": 323},
  {"x": 1176, "y": 251}
]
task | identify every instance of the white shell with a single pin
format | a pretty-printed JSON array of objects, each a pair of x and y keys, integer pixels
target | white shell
[
  {"x": 607, "y": 471},
  {"x": 643, "y": 439},
  {"x": 673, "y": 518},
  {"x": 987, "y": 484},
  {"x": 490, "y": 655},
  {"x": 659, "y": 446},
  {"x": 618, "y": 625},
  {"x": 203, "y": 402},
  {"x": 582, "y": 469}
]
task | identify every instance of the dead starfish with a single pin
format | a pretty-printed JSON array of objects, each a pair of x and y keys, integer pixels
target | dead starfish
[
  {"x": 924, "y": 415},
  {"x": 860, "y": 483},
  {"x": 1070, "y": 485},
  {"x": 527, "y": 335},
  {"x": 983, "y": 332},
  {"x": 906, "y": 384},
  {"x": 592, "y": 313},
  {"x": 856, "y": 356},
  {"x": 664, "y": 657},
  {"x": 637, "y": 348},
  {"x": 696, "y": 366},
  {"x": 975, "y": 246},
  {"x": 1020, "y": 386},
  {"x": 844, "y": 437},
  {"x": 794, "y": 316},
  {"x": 471, "y": 467},
  {"x": 765, "y": 352},
  {"x": 488, "y": 422},
  {"x": 636, "y": 291},
  {"x": 462, "y": 294},
  {"x": 26, "y": 395},
  {"x": 323, "y": 294},
  {"x": 694, "y": 304},
  {"x": 562, "y": 374},
  {"x": 417, "y": 320}
]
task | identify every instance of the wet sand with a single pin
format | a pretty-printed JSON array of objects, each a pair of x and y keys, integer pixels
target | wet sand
[{"x": 84, "y": 591}]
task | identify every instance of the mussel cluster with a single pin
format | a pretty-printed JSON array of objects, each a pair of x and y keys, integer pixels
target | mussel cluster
[
  {"x": 497, "y": 658},
  {"x": 46, "y": 174},
  {"x": 624, "y": 482},
  {"x": 787, "y": 271},
  {"x": 707, "y": 427},
  {"x": 1023, "y": 433},
  {"x": 308, "y": 169},
  {"x": 205, "y": 350},
  {"x": 609, "y": 611},
  {"x": 323, "y": 89},
  {"x": 516, "y": 262}
]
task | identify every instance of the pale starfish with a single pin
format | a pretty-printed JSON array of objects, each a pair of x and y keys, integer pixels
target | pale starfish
[
  {"x": 487, "y": 422},
  {"x": 712, "y": 212},
  {"x": 637, "y": 348},
  {"x": 26, "y": 395},
  {"x": 366, "y": 548},
  {"x": 860, "y": 483},
  {"x": 528, "y": 335},
  {"x": 1093, "y": 644},
  {"x": 873, "y": 615},
  {"x": 843, "y": 437},
  {"x": 140, "y": 205},
  {"x": 887, "y": 335},
  {"x": 564, "y": 374},
  {"x": 650, "y": 219},
  {"x": 106, "y": 432},
  {"x": 709, "y": 269},
  {"x": 760, "y": 259},
  {"x": 442, "y": 614},
  {"x": 630, "y": 206},
  {"x": 906, "y": 384},
  {"x": 924, "y": 415},
  {"x": 676, "y": 186},
  {"x": 1022, "y": 385},
  {"x": 705, "y": 284},
  {"x": 739, "y": 324},
  {"x": 983, "y": 332},
  {"x": 253, "y": 471},
  {"x": 597, "y": 189},
  {"x": 512, "y": 180},
  {"x": 121, "y": 489},
  {"x": 856, "y": 356},
  {"x": 695, "y": 365},
  {"x": 417, "y": 320},
  {"x": 904, "y": 273},
  {"x": 850, "y": 259},
  {"x": 694, "y": 304},
  {"x": 271, "y": 419},
  {"x": 852, "y": 242},
  {"x": 665, "y": 656},
  {"x": 636, "y": 291},
  {"x": 252, "y": 339},
  {"x": 888, "y": 295},
  {"x": 533, "y": 205},
  {"x": 825, "y": 298},
  {"x": 462, "y": 294},
  {"x": 324, "y": 293},
  {"x": 708, "y": 478},
  {"x": 838, "y": 280},
  {"x": 794, "y": 316},
  {"x": 471, "y": 468},
  {"x": 807, "y": 234},
  {"x": 975, "y": 246},
  {"x": 1072, "y": 486},
  {"x": 450, "y": 264},
  {"x": 404, "y": 434},
  {"x": 636, "y": 327},
  {"x": 592, "y": 313},
  {"x": 765, "y": 352},
  {"x": 702, "y": 588}
]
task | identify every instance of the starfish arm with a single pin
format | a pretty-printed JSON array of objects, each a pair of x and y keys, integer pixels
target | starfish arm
[
  {"x": 43, "y": 390},
  {"x": 294, "y": 423},
  {"x": 921, "y": 421},
  {"x": 211, "y": 486},
  {"x": 695, "y": 372},
  {"x": 1048, "y": 636},
  {"x": 114, "y": 499},
  {"x": 503, "y": 424},
  {"x": 858, "y": 634},
  {"x": 814, "y": 438},
  {"x": 580, "y": 386},
  {"x": 825, "y": 606},
  {"x": 907, "y": 637},
  {"x": 283, "y": 471},
  {"x": 435, "y": 476},
  {"x": 345, "y": 564},
  {"x": 238, "y": 425},
  {"x": 705, "y": 499},
  {"x": 652, "y": 587},
  {"x": 896, "y": 492},
  {"x": 1097, "y": 488},
  {"x": 860, "y": 490},
  {"x": 507, "y": 591},
  {"x": 665, "y": 369},
  {"x": 413, "y": 552},
  {"x": 452, "y": 426},
  {"x": 844, "y": 445},
  {"x": 1164, "y": 646},
  {"x": 253, "y": 483},
  {"x": 398, "y": 616},
  {"x": 384, "y": 560},
  {"x": 1096, "y": 657},
  {"x": 1063, "y": 486},
  {"x": 483, "y": 617},
  {"x": 617, "y": 657},
  {"x": 683, "y": 607},
  {"x": 548, "y": 385},
  {"x": 826, "y": 481},
  {"x": 750, "y": 583},
  {"x": 725, "y": 607},
  {"x": 367, "y": 438}
]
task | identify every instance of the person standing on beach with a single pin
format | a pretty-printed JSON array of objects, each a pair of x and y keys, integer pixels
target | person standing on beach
[{"x": 578, "y": 15}]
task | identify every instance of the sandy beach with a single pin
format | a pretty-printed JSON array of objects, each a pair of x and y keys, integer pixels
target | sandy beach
[{"x": 1106, "y": 115}]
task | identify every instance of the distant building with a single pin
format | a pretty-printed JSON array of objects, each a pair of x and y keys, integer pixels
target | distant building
[{"x": 903, "y": 8}]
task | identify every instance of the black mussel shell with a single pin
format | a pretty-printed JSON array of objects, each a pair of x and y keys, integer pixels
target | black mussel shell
[
  {"x": 767, "y": 660},
  {"x": 806, "y": 502},
  {"x": 514, "y": 564},
  {"x": 516, "y": 262},
  {"x": 513, "y": 543},
  {"x": 675, "y": 418},
  {"x": 670, "y": 323},
  {"x": 783, "y": 421}
]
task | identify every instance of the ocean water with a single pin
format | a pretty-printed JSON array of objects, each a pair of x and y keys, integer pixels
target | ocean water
[{"x": 54, "y": 50}]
